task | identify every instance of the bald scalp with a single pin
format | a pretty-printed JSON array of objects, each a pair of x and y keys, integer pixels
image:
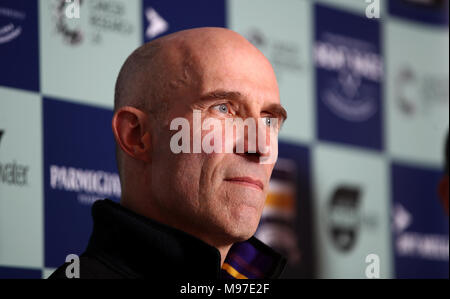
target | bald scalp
[
  {"x": 139, "y": 79},
  {"x": 153, "y": 70}
]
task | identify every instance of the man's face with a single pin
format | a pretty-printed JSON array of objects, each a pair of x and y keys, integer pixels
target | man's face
[{"x": 220, "y": 194}]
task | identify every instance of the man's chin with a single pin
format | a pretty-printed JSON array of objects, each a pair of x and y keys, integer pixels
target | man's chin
[
  {"x": 238, "y": 226},
  {"x": 242, "y": 231}
]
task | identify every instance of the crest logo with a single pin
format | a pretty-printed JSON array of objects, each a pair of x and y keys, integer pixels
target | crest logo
[
  {"x": 344, "y": 217},
  {"x": 67, "y": 10},
  {"x": 12, "y": 29},
  {"x": 353, "y": 68},
  {"x": 73, "y": 9}
]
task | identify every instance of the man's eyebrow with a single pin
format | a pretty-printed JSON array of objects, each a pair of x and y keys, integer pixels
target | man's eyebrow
[
  {"x": 221, "y": 94},
  {"x": 278, "y": 111}
]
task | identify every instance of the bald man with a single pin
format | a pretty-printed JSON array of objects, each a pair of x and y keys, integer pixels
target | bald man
[{"x": 188, "y": 214}]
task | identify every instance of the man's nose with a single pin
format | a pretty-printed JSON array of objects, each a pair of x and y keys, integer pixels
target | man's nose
[{"x": 256, "y": 143}]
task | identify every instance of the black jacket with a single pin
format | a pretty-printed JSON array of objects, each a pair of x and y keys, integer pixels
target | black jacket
[{"x": 124, "y": 244}]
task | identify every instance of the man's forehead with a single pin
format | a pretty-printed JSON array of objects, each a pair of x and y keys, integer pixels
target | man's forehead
[
  {"x": 240, "y": 84},
  {"x": 237, "y": 69},
  {"x": 237, "y": 95},
  {"x": 217, "y": 51},
  {"x": 203, "y": 61}
]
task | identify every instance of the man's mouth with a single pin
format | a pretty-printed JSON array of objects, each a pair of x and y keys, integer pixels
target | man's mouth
[{"x": 247, "y": 181}]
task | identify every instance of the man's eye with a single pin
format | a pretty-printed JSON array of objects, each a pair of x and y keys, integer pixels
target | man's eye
[
  {"x": 222, "y": 108},
  {"x": 268, "y": 121}
]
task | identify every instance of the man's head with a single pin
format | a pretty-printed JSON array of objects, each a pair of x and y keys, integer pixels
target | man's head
[{"x": 217, "y": 197}]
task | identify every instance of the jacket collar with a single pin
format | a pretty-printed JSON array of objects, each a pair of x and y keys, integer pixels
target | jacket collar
[{"x": 140, "y": 247}]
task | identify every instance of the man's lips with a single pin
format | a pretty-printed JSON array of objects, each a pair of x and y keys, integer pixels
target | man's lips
[{"x": 247, "y": 181}]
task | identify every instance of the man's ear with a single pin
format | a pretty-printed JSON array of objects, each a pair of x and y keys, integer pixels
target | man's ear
[{"x": 131, "y": 131}]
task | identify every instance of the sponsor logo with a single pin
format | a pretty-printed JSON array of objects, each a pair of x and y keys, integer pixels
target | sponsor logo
[
  {"x": 72, "y": 35},
  {"x": 13, "y": 173},
  {"x": 10, "y": 24},
  {"x": 426, "y": 246},
  {"x": 156, "y": 24},
  {"x": 103, "y": 17},
  {"x": 346, "y": 218},
  {"x": 420, "y": 93},
  {"x": 73, "y": 9},
  {"x": 285, "y": 55},
  {"x": 356, "y": 66},
  {"x": 89, "y": 185}
]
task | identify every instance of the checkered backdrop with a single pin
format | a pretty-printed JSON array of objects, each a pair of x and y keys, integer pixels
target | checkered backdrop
[{"x": 360, "y": 155}]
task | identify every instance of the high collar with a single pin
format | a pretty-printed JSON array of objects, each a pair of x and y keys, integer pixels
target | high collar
[{"x": 140, "y": 247}]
